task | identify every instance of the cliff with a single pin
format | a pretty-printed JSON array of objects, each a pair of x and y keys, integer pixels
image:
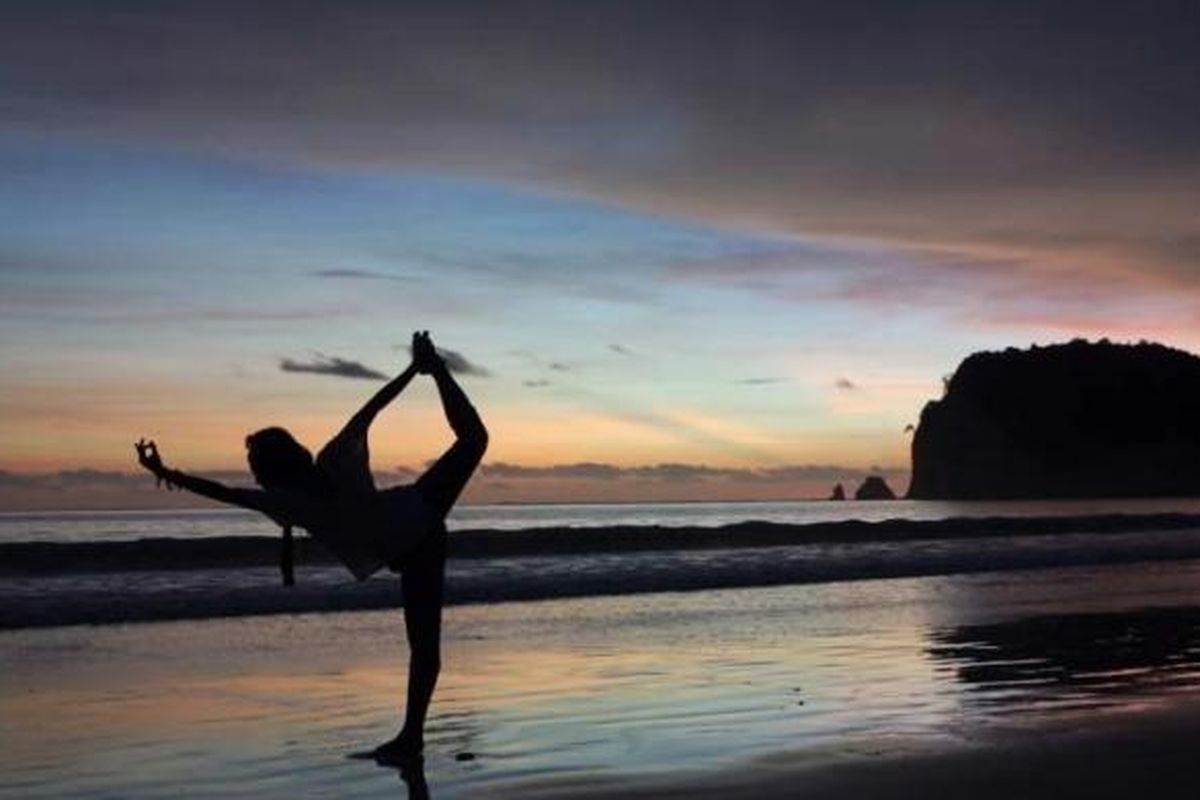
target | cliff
[{"x": 1069, "y": 420}]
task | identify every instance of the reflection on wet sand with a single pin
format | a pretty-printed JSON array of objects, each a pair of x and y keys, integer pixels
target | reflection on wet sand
[
  {"x": 412, "y": 774},
  {"x": 583, "y": 690},
  {"x": 1074, "y": 660}
]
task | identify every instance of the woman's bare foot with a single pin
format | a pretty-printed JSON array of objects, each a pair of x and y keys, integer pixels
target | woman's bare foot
[{"x": 398, "y": 751}]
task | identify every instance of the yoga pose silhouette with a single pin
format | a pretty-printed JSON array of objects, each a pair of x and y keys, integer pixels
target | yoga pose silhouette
[{"x": 334, "y": 498}]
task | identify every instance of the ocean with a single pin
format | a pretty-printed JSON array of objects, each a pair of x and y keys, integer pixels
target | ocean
[
  {"x": 104, "y": 526},
  {"x": 64, "y": 568},
  {"x": 589, "y": 644}
]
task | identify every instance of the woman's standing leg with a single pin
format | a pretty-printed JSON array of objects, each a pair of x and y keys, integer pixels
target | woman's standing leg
[
  {"x": 422, "y": 580},
  {"x": 423, "y": 572}
]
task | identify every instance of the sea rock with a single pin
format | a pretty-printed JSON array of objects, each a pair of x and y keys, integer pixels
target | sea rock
[
  {"x": 1080, "y": 419},
  {"x": 838, "y": 493},
  {"x": 874, "y": 488}
]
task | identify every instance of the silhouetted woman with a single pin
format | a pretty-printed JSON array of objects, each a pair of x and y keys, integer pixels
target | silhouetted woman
[{"x": 334, "y": 498}]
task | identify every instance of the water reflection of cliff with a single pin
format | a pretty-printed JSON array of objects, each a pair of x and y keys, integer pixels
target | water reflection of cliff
[{"x": 1081, "y": 660}]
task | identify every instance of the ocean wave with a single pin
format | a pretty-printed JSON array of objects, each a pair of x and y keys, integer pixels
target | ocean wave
[
  {"x": 492, "y": 567},
  {"x": 166, "y": 553}
]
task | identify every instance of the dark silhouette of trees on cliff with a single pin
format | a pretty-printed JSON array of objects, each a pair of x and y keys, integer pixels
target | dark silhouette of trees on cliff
[{"x": 1079, "y": 419}]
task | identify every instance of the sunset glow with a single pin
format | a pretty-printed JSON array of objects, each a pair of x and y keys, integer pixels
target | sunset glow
[{"x": 660, "y": 247}]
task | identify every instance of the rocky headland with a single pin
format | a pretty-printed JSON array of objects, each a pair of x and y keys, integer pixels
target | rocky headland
[{"x": 1073, "y": 420}]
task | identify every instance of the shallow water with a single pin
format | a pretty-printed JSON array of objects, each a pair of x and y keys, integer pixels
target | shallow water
[
  {"x": 122, "y": 596},
  {"x": 596, "y": 687}
]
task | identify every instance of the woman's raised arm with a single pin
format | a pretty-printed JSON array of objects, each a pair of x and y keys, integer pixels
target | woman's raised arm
[
  {"x": 424, "y": 357},
  {"x": 363, "y": 418}
]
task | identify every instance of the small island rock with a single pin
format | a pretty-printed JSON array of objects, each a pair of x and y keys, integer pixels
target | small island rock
[{"x": 874, "y": 487}]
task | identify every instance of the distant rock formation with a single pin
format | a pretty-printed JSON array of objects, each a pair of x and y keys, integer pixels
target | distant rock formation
[
  {"x": 1068, "y": 420},
  {"x": 838, "y": 493},
  {"x": 874, "y": 488}
]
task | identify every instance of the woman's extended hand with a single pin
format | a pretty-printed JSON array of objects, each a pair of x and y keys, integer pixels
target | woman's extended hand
[
  {"x": 425, "y": 356},
  {"x": 148, "y": 457}
]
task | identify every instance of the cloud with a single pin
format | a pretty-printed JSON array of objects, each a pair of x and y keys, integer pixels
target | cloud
[
  {"x": 583, "y": 469},
  {"x": 927, "y": 122},
  {"x": 89, "y": 479},
  {"x": 111, "y": 307},
  {"x": 15, "y": 480},
  {"x": 457, "y": 363},
  {"x": 86, "y": 488},
  {"x": 845, "y": 384},
  {"x": 680, "y": 472},
  {"x": 535, "y": 361},
  {"x": 86, "y": 477},
  {"x": 259, "y": 314},
  {"x": 968, "y": 288},
  {"x": 1048, "y": 149},
  {"x": 331, "y": 365},
  {"x": 676, "y": 472},
  {"x": 397, "y": 474},
  {"x": 359, "y": 274}
]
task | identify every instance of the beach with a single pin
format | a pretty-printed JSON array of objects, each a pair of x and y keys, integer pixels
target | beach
[{"x": 1007, "y": 682}]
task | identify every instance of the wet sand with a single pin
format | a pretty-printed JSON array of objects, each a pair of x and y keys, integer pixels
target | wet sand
[
  {"x": 1022, "y": 684},
  {"x": 1151, "y": 754}
]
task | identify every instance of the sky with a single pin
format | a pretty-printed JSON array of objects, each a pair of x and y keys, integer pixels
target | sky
[{"x": 686, "y": 250}]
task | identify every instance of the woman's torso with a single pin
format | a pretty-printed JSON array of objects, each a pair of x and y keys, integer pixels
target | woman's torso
[{"x": 364, "y": 527}]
